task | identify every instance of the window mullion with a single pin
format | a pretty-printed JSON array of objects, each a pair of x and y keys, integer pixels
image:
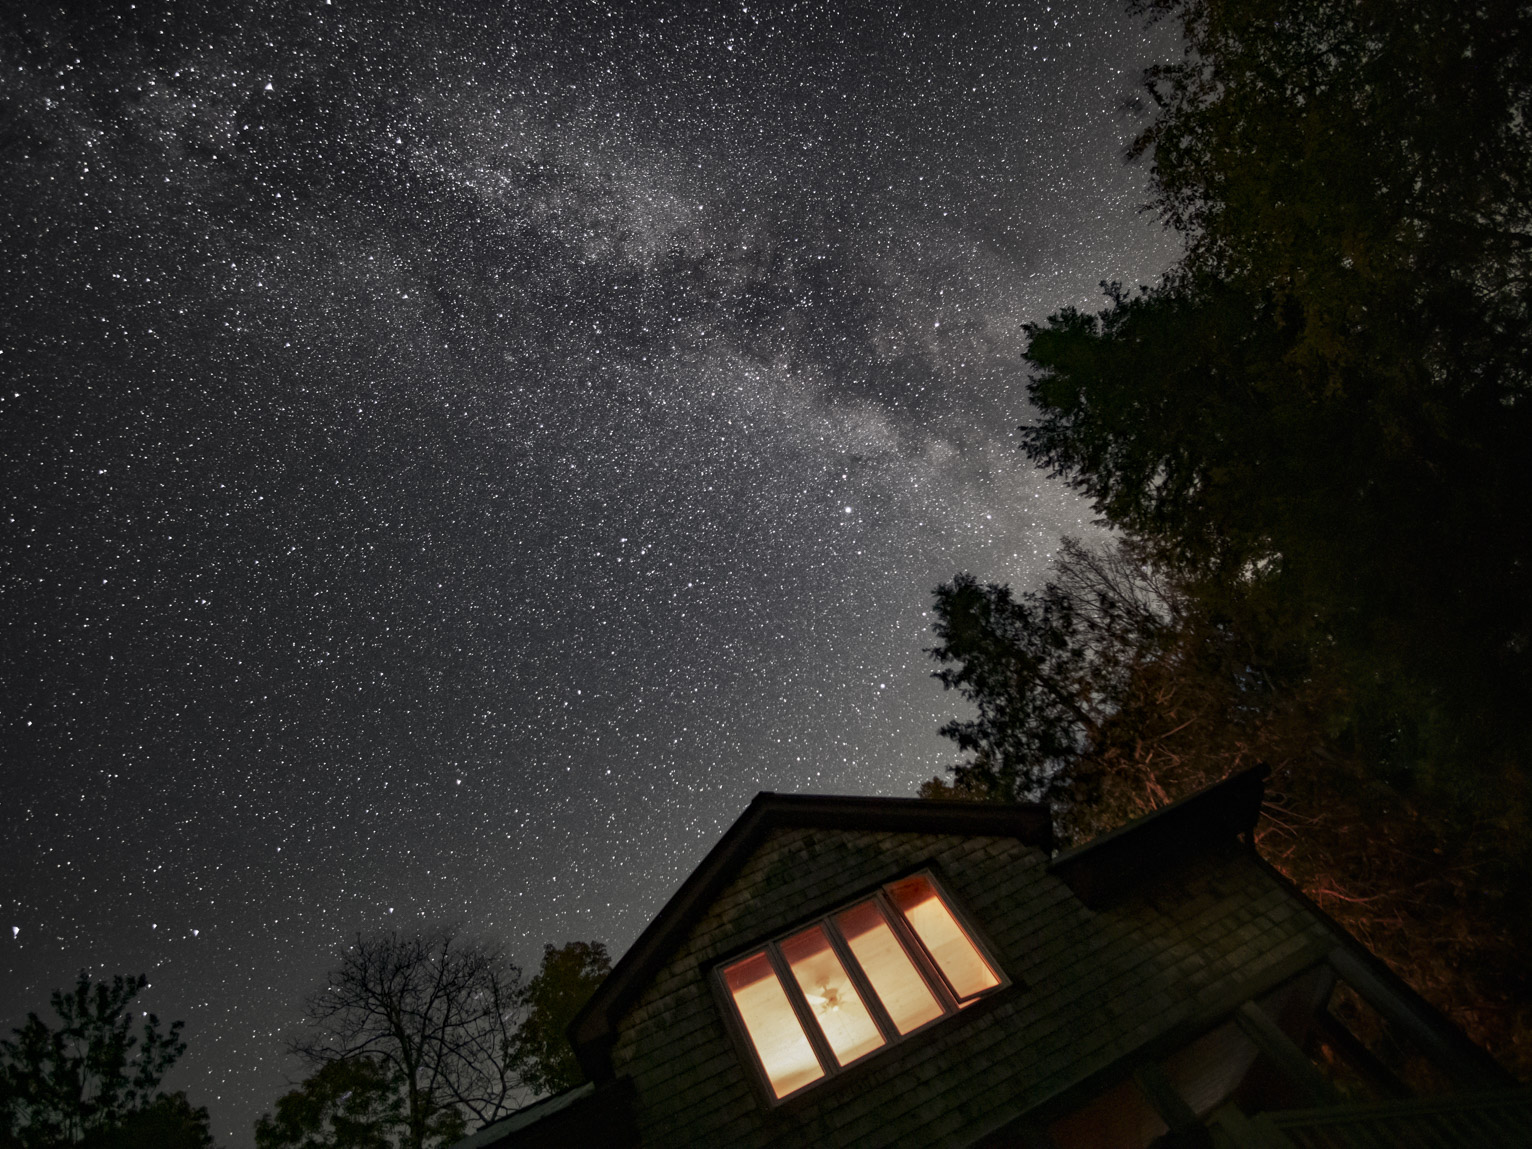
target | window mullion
[
  {"x": 801, "y": 1007},
  {"x": 917, "y": 951},
  {"x": 853, "y": 969}
]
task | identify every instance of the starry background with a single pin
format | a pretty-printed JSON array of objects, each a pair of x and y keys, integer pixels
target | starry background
[{"x": 454, "y": 456}]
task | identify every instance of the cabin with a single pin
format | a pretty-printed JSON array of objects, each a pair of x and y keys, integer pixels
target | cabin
[{"x": 848, "y": 971}]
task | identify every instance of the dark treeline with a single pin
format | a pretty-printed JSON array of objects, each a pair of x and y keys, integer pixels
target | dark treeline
[
  {"x": 1314, "y": 440},
  {"x": 92, "y": 1076},
  {"x": 415, "y": 1040}
]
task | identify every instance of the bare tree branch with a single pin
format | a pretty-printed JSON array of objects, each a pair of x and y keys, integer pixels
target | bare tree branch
[{"x": 438, "y": 1009}]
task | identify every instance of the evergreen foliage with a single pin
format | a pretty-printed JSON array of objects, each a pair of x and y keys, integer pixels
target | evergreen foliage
[
  {"x": 1324, "y": 414},
  {"x": 1314, "y": 440},
  {"x": 540, "y": 1051},
  {"x": 353, "y": 1103},
  {"x": 170, "y": 1121},
  {"x": 93, "y": 1080}
]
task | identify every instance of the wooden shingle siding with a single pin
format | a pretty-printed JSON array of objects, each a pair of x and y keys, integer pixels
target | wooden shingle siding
[{"x": 1093, "y": 986}]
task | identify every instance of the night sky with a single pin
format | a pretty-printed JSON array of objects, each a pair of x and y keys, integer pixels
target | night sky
[{"x": 454, "y": 457}]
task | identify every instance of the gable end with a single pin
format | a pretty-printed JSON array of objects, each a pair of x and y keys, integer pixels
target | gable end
[{"x": 593, "y": 1029}]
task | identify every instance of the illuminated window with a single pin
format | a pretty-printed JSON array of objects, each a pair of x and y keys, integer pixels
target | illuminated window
[
  {"x": 854, "y": 982},
  {"x": 950, "y": 947},
  {"x": 784, "y": 1052}
]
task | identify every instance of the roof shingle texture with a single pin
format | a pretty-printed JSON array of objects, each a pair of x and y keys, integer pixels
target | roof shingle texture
[{"x": 1092, "y": 987}]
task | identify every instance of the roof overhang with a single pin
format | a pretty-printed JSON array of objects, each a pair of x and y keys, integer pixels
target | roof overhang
[{"x": 1107, "y": 867}]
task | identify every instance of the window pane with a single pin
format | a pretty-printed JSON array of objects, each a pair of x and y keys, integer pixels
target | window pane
[
  {"x": 894, "y": 978},
  {"x": 784, "y": 1051},
  {"x": 955, "y": 955},
  {"x": 838, "y": 1008}
]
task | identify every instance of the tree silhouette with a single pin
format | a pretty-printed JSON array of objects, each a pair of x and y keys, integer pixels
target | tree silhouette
[
  {"x": 91, "y": 1079},
  {"x": 170, "y": 1121},
  {"x": 1322, "y": 418},
  {"x": 1316, "y": 430},
  {"x": 434, "y": 1012},
  {"x": 354, "y": 1103},
  {"x": 540, "y": 1051}
]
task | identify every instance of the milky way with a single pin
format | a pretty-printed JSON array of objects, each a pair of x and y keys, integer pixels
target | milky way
[{"x": 454, "y": 457}]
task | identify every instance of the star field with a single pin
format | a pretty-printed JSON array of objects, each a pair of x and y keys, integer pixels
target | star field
[{"x": 455, "y": 455}]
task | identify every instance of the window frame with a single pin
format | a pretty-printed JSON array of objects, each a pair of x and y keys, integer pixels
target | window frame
[{"x": 921, "y": 958}]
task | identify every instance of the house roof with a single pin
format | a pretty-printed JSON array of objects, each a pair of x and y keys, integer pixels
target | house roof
[
  {"x": 1107, "y": 867},
  {"x": 593, "y": 1029},
  {"x": 527, "y": 1115},
  {"x": 1097, "y": 872},
  {"x": 588, "y": 1114}
]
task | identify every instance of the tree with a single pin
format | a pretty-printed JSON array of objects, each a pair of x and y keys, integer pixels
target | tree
[
  {"x": 1098, "y": 693},
  {"x": 170, "y": 1121},
  {"x": 1371, "y": 534},
  {"x": 91, "y": 1079},
  {"x": 435, "y": 1012},
  {"x": 1023, "y": 667},
  {"x": 1316, "y": 433},
  {"x": 1316, "y": 429},
  {"x": 1321, "y": 420},
  {"x": 353, "y": 1103},
  {"x": 540, "y": 1051},
  {"x": 1335, "y": 152},
  {"x": 1176, "y": 702},
  {"x": 1046, "y": 670}
]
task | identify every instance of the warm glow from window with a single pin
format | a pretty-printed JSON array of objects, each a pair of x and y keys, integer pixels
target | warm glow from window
[
  {"x": 868, "y": 975},
  {"x": 898, "y": 984},
  {"x": 785, "y": 1053},
  {"x": 838, "y": 1008},
  {"x": 955, "y": 955}
]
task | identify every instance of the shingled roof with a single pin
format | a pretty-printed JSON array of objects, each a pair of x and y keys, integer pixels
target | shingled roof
[{"x": 1107, "y": 867}]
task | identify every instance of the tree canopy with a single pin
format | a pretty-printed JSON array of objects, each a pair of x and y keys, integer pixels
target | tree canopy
[
  {"x": 353, "y": 1103},
  {"x": 434, "y": 1013},
  {"x": 1313, "y": 438},
  {"x": 416, "y": 1035},
  {"x": 170, "y": 1121},
  {"x": 540, "y": 1051},
  {"x": 1325, "y": 411},
  {"x": 93, "y": 1077},
  {"x": 1045, "y": 671}
]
